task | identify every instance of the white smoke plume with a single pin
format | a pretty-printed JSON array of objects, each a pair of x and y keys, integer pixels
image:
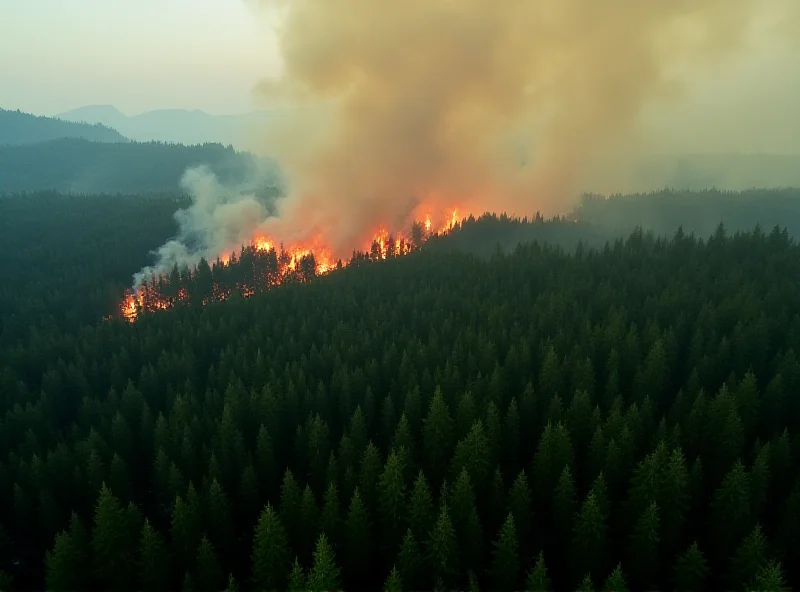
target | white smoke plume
[
  {"x": 219, "y": 220},
  {"x": 490, "y": 105}
]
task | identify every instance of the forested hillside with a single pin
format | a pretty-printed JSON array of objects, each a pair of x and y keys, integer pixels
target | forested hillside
[
  {"x": 68, "y": 259},
  {"x": 23, "y": 128},
  {"x": 80, "y": 166},
  {"x": 533, "y": 420},
  {"x": 698, "y": 212}
]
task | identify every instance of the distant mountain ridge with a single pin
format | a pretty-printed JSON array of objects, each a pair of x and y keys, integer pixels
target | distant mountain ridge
[
  {"x": 74, "y": 165},
  {"x": 173, "y": 125},
  {"x": 19, "y": 128}
]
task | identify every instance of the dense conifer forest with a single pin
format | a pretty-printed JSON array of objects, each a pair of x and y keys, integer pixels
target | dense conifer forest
[{"x": 609, "y": 417}]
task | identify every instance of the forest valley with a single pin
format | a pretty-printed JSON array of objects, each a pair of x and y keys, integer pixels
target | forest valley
[{"x": 264, "y": 263}]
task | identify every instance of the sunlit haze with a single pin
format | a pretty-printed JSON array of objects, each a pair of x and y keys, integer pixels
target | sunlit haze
[{"x": 148, "y": 54}]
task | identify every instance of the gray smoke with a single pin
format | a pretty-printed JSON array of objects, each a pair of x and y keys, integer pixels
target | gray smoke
[{"x": 219, "y": 220}]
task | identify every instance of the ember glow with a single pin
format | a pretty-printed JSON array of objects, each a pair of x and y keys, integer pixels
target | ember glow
[{"x": 266, "y": 262}]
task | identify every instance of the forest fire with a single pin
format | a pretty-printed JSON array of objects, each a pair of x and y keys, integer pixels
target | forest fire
[{"x": 265, "y": 263}]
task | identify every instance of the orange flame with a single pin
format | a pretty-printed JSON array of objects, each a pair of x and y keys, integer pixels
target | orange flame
[{"x": 291, "y": 261}]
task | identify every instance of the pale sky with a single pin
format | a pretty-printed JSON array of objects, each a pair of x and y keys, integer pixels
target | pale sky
[
  {"x": 57, "y": 55},
  {"x": 138, "y": 55}
]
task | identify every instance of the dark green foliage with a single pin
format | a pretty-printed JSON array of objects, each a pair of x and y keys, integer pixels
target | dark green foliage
[
  {"x": 770, "y": 578},
  {"x": 357, "y": 537},
  {"x": 153, "y": 562},
  {"x": 393, "y": 582},
  {"x": 63, "y": 564},
  {"x": 750, "y": 558},
  {"x": 410, "y": 562},
  {"x": 392, "y": 498},
  {"x": 691, "y": 570},
  {"x": 270, "y": 552},
  {"x": 324, "y": 574},
  {"x": 538, "y": 580},
  {"x": 297, "y": 578},
  {"x": 644, "y": 545},
  {"x": 589, "y": 539},
  {"x": 616, "y": 581},
  {"x": 112, "y": 542},
  {"x": 442, "y": 548},
  {"x": 210, "y": 576},
  {"x": 617, "y": 404},
  {"x": 421, "y": 512},
  {"x": 505, "y": 557}
]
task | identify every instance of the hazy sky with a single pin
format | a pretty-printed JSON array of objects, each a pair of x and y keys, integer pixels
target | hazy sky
[{"x": 57, "y": 55}]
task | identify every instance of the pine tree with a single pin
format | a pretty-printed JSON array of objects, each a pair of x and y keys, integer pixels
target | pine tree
[
  {"x": 218, "y": 514},
  {"x": 393, "y": 583},
  {"x": 519, "y": 502},
  {"x": 564, "y": 506},
  {"x": 113, "y": 561},
  {"x": 511, "y": 436},
  {"x": 409, "y": 561},
  {"x": 233, "y": 585},
  {"x": 324, "y": 574},
  {"x": 437, "y": 434},
  {"x": 443, "y": 548},
  {"x": 421, "y": 511},
  {"x": 586, "y": 584},
  {"x": 63, "y": 565},
  {"x": 616, "y": 581},
  {"x": 392, "y": 499},
  {"x": 270, "y": 551},
  {"x": 552, "y": 455},
  {"x": 404, "y": 439},
  {"x": 358, "y": 430},
  {"x": 209, "y": 573},
  {"x": 497, "y": 503},
  {"x": 185, "y": 531},
  {"x": 643, "y": 549},
  {"x": 472, "y": 453},
  {"x": 290, "y": 508},
  {"x": 369, "y": 475},
  {"x": 248, "y": 499},
  {"x": 589, "y": 541},
  {"x": 153, "y": 562},
  {"x": 297, "y": 578},
  {"x": 330, "y": 519},
  {"x": 690, "y": 570},
  {"x": 674, "y": 497},
  {"x": 266, "y": 466},
  {"x": 750, "y": 559},
  {"x": 465, "y": 414},
  {"x": 770, "y": 578},
  {"x": 309, "y": 523},
  {"x": 357, "y": 544},
  {"x": 730, "y": 509},
  {"x": 464, "y": 515},
  {"x": 760, "y": 479},
  {"x": 538, "y": 580},
  {"x": 505, "y": 558}
]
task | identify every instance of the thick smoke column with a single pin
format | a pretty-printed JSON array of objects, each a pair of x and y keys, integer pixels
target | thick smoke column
[
  {"x": 485, "y": 104},
  {"x": 219, "y": 220}
]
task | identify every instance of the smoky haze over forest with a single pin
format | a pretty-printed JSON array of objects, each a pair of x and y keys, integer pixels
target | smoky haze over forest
[{"x": 505, "y": 105}]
